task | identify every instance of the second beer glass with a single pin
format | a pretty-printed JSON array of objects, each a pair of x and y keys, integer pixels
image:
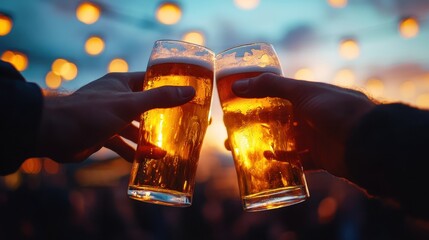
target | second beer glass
[
  {"x": 170, "y": 139},
  {"x": 259, "y": 130}
]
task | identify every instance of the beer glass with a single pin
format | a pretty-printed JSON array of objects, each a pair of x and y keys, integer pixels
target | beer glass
[
  {"x": 167, "y": 152},
  {"x": 260, "y": 136}
]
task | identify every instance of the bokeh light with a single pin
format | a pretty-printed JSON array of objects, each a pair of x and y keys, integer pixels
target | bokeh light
[
  {"x": 5, "y": 25},
  {"x": 409, "y": 27},
  {"x": 13, "y": 181},
  {"x": 349, "y": 49},
  {"x": 52, "y": 80},
  {"x": 304, "y": 74},
  {"x": 169, "y": 13},
  {"x": 375, "y": 87},
  {"x": 65, "y": 69},
  {"x": 422, "y": 101},
  {"x": 344, "y": 78},
  {"x": 94, "y": 45},
  {"x": 50, "y": 166},
  {"x": 31, "y": 166},
  {"x": 118, "y": 65},
  {"x": 337, "y": 3},
  {"x": 194, "y": 37},
  {"x": 246, "y": 4},
  {"x": 88, "y": 13},
  {"x": 17, "y": 59},
  {"x": 407, "y": 89},
  {"x": 327, "y": 209}
]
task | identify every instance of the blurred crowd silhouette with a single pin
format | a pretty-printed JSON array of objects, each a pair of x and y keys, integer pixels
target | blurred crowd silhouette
[{"x": 57, "y": 205}]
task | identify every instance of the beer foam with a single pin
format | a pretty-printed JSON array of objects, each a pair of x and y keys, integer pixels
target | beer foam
[
  {"x": 186, "y": 60},
  {"x": 245, "y": 69}
]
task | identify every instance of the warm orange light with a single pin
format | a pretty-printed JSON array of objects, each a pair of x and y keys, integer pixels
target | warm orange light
[
  {"x": 304, "y": 74},
  {"x": 88, "y": 12},
  {"x": 5, "y": 25},
  {"x": 57, "y": 65},
  {"x": 69, "y": 71},
  {"x": 337, "y": 3},
  {"x": 52, "y": 80},
  {"x": 409, "y": 27},
  {"x": 349, "y": 49},
  {"x": 7, "y": 56},
  {"x": 345, "y": 78},
  {"x": 169, "y": 13},
  {"x": 375, "y": 87},
  {"x": 31, "y": 166},
  {"x": 407, "y": 89},
  {"x": 17, "y": 59},
  {"x": 50, "y": 166},
  {"x": 246, "y": 4},
  {"x": 94, "y": 45},
  {"x": 118, "y": 65},
  {"x": 327, "y": 209},
  {"x": 423, "y": 101},
  {"x": 194, "y": 37},
  {"x": 13, "y": 181}
]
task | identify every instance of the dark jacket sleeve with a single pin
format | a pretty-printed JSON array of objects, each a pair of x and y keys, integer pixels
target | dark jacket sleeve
[
  {"x": 388, "y": 154},
  {"x": 21, "y": 108}
]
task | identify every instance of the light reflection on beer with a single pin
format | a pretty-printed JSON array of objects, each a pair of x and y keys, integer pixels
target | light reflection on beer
[
  {"x": 259, "y": 134},
  {"x": 170, "y": 139}
]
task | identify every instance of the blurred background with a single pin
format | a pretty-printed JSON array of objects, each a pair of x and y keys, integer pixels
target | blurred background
[{"x": 377, "y": 46}]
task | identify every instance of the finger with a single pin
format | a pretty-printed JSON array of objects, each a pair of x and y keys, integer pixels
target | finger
[
  {"x": 162, "y": 97},
  {"x": 119, "y": 146},
  {"x": 130, "y": 132},
  {"x": 272, "y": 85},
  {"x": 134, "y": 80},
  {"x": 10, "y": 72}
]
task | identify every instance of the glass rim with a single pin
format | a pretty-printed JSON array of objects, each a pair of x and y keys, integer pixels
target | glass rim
[
  {"x": 184, "y": 42},
  {"x": 245, "y": 45}
]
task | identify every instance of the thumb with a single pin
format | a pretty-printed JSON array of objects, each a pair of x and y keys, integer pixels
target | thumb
[
  {"x": 272, "y": 85},
  {"x": 163, "y": 97}
]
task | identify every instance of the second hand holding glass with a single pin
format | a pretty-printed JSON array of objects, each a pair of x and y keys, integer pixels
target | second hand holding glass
[{"x": 260, "y": 137}]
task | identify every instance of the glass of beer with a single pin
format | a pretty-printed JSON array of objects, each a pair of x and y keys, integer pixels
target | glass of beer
[
  {"x": 260, "y": 135},
  {"x": 170, "y": 139}
]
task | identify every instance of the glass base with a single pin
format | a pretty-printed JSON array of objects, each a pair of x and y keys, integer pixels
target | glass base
[
  {"x": 160, "y": 196},
  {"x": 274, "y": 199}
]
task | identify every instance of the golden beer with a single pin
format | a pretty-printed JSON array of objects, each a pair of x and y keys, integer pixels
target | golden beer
[
  {"x": 170, "y": 139},
  {"x": 260, "y": 136}
]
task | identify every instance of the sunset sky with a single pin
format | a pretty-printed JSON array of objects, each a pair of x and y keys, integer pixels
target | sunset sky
[{"x": 390, "y": 63}]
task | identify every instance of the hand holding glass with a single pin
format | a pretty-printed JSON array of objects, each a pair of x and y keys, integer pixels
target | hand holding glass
[
  {"x": 170, "y": 139},
  {"x": 260, "y": 136}
]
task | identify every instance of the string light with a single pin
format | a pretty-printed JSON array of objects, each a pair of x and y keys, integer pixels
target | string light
[
  {"x": 375, "y": 87},
  {"x": 118, "y": 65},
  {"x": 337, "y": 3},
  {"x": 344, "y": 78},
  {"x": 349, "y": 49},
  {"x": 246, "y": 4},
  {"x": 52, "y": 80},
  {"x": 88, "y": 13},
  {"x": 65, "y": 69},
  {"x": 423, "y": 101},
  {"x": 17, "y": 59},
  {"x": 94, "y": 45},
  {"x": 5, "y": 25},
  {"x": 169, "y": 13},
  {"x": 409, "y": 27},
  {"x": 194, "y": 37},
  {"x": 304, "y": 74}
]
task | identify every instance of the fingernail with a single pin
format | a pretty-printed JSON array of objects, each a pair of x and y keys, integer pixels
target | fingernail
[
  {"x": 186, "y": 92},
  {"x": 241, "y": 86}
]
